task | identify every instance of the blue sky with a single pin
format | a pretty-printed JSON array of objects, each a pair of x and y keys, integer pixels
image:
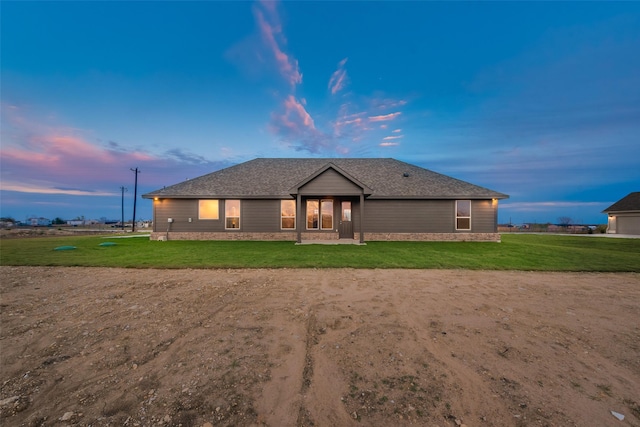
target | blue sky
[{"x": 540, "y": 100}]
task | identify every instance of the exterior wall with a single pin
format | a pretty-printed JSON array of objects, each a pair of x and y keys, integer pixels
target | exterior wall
[
  {"x": 433, "y": 237},
  {"x": 291, "y": 236},
  {"x": 256, "y": 215},
  {"x": 260, "y": 216},
  {"x": 484, "y": 216},
  {"x": 331, "y": 183},
  {"x": 325, "y": 235},
  {"x": 237, "y": 235},
  {"x": 425, "y": 216},
  {"x": 408, "y": 216},
  {"x": 383, "y": 219}
]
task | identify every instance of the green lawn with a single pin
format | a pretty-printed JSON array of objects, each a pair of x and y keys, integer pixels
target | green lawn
[{"x": 516, "y": 252}]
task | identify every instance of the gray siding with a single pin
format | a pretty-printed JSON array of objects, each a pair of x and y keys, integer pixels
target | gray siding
[
  {"x": 409, "y": 216},
  {"x": 332, "y": 183},
  {"x": 181, "y": 210},
  {"x": 380, "y": 216},
  {"x": 425, "y": 216},
  {"x": 260, "y": 215},
  {"x": 255, "y": 216},
  {"x": 483, "y": 216}
]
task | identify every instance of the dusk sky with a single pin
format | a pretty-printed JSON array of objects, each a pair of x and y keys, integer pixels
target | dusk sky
[{"x": 540, "y": 100}]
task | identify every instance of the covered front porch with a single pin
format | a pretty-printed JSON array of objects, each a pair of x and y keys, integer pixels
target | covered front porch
[
  {"x": 332, "y": 219},
  {"x": 330, "y": 206}
]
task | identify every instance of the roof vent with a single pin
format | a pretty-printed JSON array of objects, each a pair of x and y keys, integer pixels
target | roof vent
[{"x": 406, "y": 174}]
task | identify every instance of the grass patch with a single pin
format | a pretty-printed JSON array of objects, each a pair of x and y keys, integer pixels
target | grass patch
[{"x": 516, "y": 252}]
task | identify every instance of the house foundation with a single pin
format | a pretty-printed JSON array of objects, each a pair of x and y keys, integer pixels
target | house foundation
[{"x": 292, "y": 236}]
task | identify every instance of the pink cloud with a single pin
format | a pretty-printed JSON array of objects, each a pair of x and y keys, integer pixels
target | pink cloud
[
  {"x": 288, "y": 67},
  {"x": 338, "y": 78},
  {"x": 396, "y": 130},
  {"x": 295, "y": 121},
  {"x": 347, "y": 124},
  {"x": 37, "y": 157},
  {"x": 296, "y": 109},
  {"x": 384, "y": 117},
  {"x": 295, "y": 126}
]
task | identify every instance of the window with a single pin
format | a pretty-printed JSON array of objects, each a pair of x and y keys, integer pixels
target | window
[
  {"x": 326, "y": 208},
  {"x": 312, "y": 214},
  {"x": 346, "y": 211},
  {"x": 463, "y": 214},
  {"x": 319, "y": 214},
  {"x": 288, "y": 214},
  {"x": 208, "y": 209},
  {"x": 232, "y": 214}
]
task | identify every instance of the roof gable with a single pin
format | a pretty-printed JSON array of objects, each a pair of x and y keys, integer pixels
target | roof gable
[
  {"x": 631, "y": 202},
  {"x": 322, "y": 171},
  {"x": 276, "y": 178}
]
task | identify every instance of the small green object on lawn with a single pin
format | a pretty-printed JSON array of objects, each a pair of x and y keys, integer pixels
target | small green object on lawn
[
  {"x": 64, "y": 248},
  {"x": 108, "y": 244}
]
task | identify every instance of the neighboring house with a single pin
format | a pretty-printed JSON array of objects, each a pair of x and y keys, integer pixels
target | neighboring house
[
  {"x": 624, "y": 215},
  {"x": 325, "y": 199},
  {"x": 39, "y": 222}
]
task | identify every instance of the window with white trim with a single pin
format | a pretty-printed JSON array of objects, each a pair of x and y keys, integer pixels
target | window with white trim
[
  {"x": 231, "y": 214},
  {"x": 288, "y": 214},
  {"x": 208, "y": 209},
  {"x": 319, "y": 214},
  {"x": 463, "y": 214}
]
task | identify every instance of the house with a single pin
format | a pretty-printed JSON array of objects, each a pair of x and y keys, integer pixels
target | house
[
  {"x": 325, "y": 199},
  {"x": 624, "y": 215},
  {"x": 39, "y": 222}
]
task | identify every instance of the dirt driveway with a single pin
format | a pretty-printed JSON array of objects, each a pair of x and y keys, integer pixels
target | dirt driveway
[{"x": 124, "y": 347}]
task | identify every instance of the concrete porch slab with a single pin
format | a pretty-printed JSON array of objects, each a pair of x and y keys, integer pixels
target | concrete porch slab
[{"x": 332, "y": 242}]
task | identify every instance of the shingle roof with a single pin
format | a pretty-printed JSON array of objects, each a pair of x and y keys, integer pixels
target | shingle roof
[
  {"x": 631, "y": 202},
  {"x": 269, "y": 178}
]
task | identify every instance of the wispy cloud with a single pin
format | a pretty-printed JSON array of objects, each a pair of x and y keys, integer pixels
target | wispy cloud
[
  {"x": 45, "y": 189},
  {"x": 264, "y": 52},
  {"x": 384, "y": 117},
  {"x": 381, "y": 103},
  {"x": 271, "y": 34},
  {"x": 546, "y": 205},
  {"x": 389, "y": 144},
  {"x": 300, "y": 126},
  {"x": 339, "y": 78},
  {"x": 391, "y": 138},
  {"x": 295, "y": 120},
  {"x": 40, "y": 157},
  {"x": 296, "y": 127}
]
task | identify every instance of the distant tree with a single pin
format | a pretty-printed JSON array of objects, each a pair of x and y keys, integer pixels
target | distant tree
[
  {"x": 7, "y": 219},
  {"x": 58, "y": 221},
  {"x": 564, "y": 221}
]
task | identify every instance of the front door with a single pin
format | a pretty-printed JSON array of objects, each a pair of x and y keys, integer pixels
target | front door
[{"x": 345, "y": 230}]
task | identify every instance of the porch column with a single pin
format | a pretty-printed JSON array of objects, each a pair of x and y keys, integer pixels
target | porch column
[
  {"x": 299, "y": 217},
  {"x": 361, "y": 218}
]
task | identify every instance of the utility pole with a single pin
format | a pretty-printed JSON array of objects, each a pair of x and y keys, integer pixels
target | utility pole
[
  {"x": 122, "y": 189},
  {"x": 135, "y": 196}
]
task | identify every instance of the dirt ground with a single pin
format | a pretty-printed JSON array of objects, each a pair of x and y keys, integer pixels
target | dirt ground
[{"x": 314, "y": 347}]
